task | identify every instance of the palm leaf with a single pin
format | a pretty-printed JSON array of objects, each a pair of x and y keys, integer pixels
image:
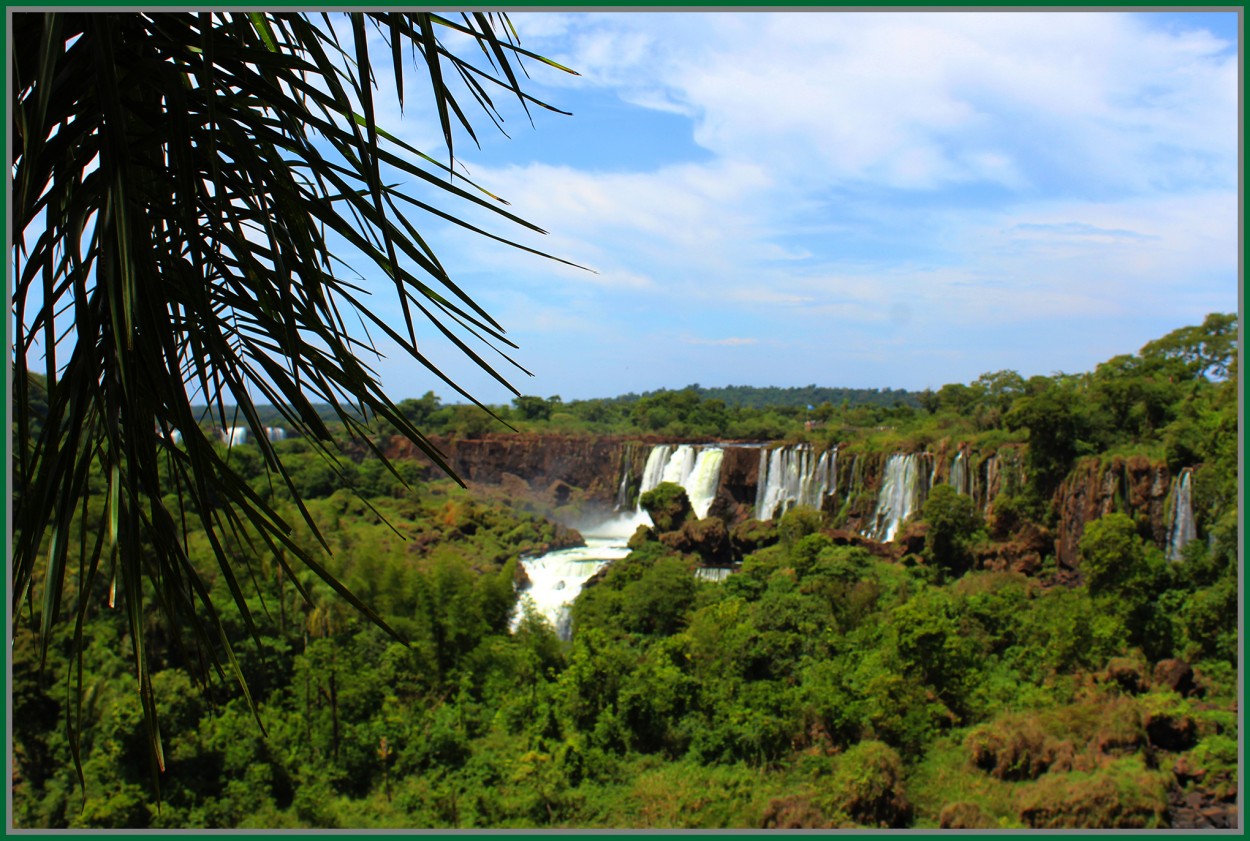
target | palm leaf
[{"x": 175, "y": 179}]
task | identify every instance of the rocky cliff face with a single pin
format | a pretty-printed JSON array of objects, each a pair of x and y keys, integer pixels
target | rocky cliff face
[
  {"x": 555, "y": 469},
  {"x": 1134, "y": 485}
]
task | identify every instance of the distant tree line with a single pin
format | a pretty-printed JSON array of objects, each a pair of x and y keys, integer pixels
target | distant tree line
[{"x": 763, "y": 397}]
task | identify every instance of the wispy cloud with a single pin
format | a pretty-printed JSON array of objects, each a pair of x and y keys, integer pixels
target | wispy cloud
[
  {"x": 729, "y": 342},
  {"x": 1080, "y": 230}
]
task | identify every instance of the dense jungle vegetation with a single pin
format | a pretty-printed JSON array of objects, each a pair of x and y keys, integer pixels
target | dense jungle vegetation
[{"x": 817, "y": 686}]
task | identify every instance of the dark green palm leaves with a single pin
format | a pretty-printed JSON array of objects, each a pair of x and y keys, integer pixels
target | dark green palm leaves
[{"x": 189, "y": 193}]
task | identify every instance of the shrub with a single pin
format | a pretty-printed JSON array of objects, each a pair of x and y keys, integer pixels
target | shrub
[
  {"x": 798, "y": 523},
  {"x": 867, "y": 786},
  {"x": 1122, "y": 796},
  {"x": 793, "y": 812},
  {"x": 751, "y": 535},
  {"x": 963, "y": 815},
  {"x": 1012, "y": 748},
  {"x": 667, "y": 505}
]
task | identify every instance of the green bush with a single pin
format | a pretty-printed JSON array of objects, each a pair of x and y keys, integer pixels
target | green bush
[
  {"x": 867, "y": 787},
  {"x": 798, "y": 523},
  {"x": 668, "y": 506},
  {"x": 1124, "y": 795}
]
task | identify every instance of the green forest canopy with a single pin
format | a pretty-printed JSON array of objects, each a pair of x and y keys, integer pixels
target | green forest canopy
[{"x": 818, "y": 686}]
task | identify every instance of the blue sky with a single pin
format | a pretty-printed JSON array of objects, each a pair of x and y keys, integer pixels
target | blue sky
[{"x": 848, "y": 199}]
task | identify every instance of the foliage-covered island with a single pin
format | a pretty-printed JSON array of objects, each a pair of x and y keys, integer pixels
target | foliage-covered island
[{"x": 963, "y": 675}]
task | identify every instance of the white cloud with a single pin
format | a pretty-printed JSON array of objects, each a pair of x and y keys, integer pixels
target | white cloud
[
  {"x": 914, "y": 100},
  {"x": 881, "y": 186}
]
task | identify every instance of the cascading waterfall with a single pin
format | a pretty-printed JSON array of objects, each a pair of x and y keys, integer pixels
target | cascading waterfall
[
  {"x": 991, "y": 478},
  {"x": 791, "y": 476},
  {"x": 959, "y": 474},
  {"x": 622, "y": 491},
  {"x": 680, "y": 465},
  {"x": 557, "y": 577},
  {"x": 653, "y": 470},
  {"x": 900, "y": 496},
  {"x": 697, "y": 469},
  {"x": 1181, "y": 528},
  {"x": 701, "y": 484}
]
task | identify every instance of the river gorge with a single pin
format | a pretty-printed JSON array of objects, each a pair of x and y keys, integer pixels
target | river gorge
[{"x": 869, "y": 497}]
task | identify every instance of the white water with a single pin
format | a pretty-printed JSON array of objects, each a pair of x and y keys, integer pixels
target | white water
[
  {"x": 653, "y": 471},
  {"x": 701, "y": 484},
  {"x": 679, "y": 465},
  {"x": 697, "y": 469},
  {"x": 1181, "y": 528},
  {"x": 960, "y": 474},
  {"x": 900, "y": 495},
  {"x": 791, "y": 476},
  {"x": 557, "y": 577}
]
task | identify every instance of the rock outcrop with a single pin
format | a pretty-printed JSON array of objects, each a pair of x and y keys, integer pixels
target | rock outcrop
[
  {"x": 708, "y": 538},
  {"x": 1134, "y": 485}
]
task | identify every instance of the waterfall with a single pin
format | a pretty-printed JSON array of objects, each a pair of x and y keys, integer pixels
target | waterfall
[
  {"x": 697, "y": 469},
  {"x": 900, "y": 496},
  {"x": 701, "y": 484},
  {"x": 791, "y": 476},
  {"x": 991, "y": 480},
  {"x": 557, "y": 577},
  {"x": 1181, "y": 528},
  {"x": 653, "y": 471},
  {"x": 622, "y": 491},
  {"x": 959, "y": 474},
  {"x": 234, "y": 435}
]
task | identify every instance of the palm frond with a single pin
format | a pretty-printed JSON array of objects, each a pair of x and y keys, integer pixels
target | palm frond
[{"x": 183, "y": 187}]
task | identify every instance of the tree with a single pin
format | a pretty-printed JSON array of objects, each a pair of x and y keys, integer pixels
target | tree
[
  {"x": 530, "y": 407},
  {"x": 1206, "y": 350},
  {"x": 1128, "y": 577},
  {"x": 187, "y": 191},
  {"x": 1112, "y": 557},
  {"x": 1062, "y": 425},
  {"x": 953, "y": 521}
]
